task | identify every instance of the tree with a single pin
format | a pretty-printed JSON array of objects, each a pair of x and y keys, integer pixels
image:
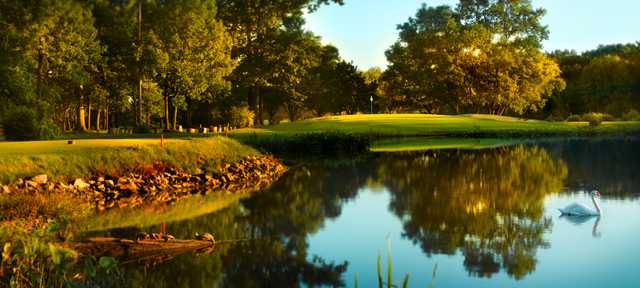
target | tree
[
  {"x": 481, "y": 56},
  {"x": 193, "y": 52},
  {"x": 252, "y": 23},
  {"x": 602, "y": 80},
  {"x": 54, "y": 52}
]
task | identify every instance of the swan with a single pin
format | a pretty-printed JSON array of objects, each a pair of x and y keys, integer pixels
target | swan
[{"x": 577, "y": 209}]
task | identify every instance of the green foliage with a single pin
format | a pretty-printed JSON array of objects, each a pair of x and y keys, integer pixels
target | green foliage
[
  {"x": 594, "y": 119},
  {"x": 472, "y": 58},
  {"x": 631, "y": 115},
  {"x": 241, "y": 117},
  {"x": 21, "y": 123},
  {"x": 308, "y": 144},
  {"x": 601, "y": 80},
  {"x": 574, "y": 118}
]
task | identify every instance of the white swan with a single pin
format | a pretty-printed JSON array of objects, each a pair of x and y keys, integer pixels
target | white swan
[{"x": 577, "y": 209}]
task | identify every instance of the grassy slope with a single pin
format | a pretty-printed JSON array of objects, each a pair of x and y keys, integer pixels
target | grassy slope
[
  {"x": 417, "y": 144},
  {"x": 431, "y": 125},
  {"x": 99, "y": 156}
]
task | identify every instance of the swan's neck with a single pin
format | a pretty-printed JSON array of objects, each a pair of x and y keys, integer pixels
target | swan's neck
[{"x": 596, "y": 204}]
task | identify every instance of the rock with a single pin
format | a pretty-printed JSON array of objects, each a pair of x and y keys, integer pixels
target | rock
[
  {"x": 128, "y": 187},
  {"x": 30, "y": 183},
  {"x": 40, "y": 179},
  {"x": 80, "y": 184}
]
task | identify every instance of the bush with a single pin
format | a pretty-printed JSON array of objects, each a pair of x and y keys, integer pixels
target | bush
[
  {"x": 21, "y": 123},
  {"x": 574, "y": 118},
  {"x": 312, "y": 144},
  {"x": 48, "y": 129},
  {"x": 631, "y": 115},
  {"x": 241, "y": 117},
  {"x": 594, "y": 119}
]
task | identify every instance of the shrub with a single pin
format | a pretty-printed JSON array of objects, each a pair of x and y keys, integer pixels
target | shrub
[
  {"x": 241, "y": 117},
  {"x": 594, "y": 119},
  {"x": 574, "y": 118},
  {"x": 48, "y": 129},
  {"x": 311, "y": 144},
  {"x": 631, "y": 115},
  {"x": 21, "y": 123}
]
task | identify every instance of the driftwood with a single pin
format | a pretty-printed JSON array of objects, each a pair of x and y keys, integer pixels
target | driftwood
[{"x": 139, "y": 251}]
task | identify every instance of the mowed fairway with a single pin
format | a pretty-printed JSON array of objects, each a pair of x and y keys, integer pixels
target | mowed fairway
[
  {"x": 61, "y": 146},
  {"x": 417, "y": 125},
  {"x": 87, "y": 157}
]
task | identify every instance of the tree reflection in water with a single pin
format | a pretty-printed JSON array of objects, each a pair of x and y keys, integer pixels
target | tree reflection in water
[
  {"x": 278, "y": 222},
  {"x": 486, "y": 204}
]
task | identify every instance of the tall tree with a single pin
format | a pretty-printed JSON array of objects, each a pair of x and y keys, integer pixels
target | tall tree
[
  {"x": 252, "y": 23},
  {"x": 193, "y": 51},
  {"x": 54, "y": 50},
  {"x": 482, "y": 56}
]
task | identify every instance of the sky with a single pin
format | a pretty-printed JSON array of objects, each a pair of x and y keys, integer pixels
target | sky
[{"x": 364, "y": 29}]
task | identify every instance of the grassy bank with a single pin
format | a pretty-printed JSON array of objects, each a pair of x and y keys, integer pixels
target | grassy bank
[
  {"x": 403, "y": 125},
  {"x": 113, "y": 156},
  {"x": 36, "y": 222}
]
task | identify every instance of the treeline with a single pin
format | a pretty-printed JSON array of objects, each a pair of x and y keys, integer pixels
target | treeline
[
  {"x": 73, "y": 65},
  {"x": 605, "y": 80},
  {"x": 485, "y": 57},
  {"x": 90, "y": 65}
]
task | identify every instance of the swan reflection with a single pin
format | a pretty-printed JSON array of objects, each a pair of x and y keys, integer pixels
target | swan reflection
[{"x": 579, "y": 220}]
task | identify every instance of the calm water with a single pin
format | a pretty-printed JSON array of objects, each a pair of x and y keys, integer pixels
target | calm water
[{"x": 486, "y": 218}]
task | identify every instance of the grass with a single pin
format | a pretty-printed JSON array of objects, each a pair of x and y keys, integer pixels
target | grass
[
  {"x": 393, "y": 125},
  {"x": 195, "y": 206},
  {"x": 32, "y": 224},
  {"x": 91, "y": 157},
  {"x": 426, "y": 143}
]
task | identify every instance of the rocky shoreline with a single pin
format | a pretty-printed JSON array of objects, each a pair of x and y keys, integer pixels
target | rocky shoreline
[{"x": 158, "y": 184}]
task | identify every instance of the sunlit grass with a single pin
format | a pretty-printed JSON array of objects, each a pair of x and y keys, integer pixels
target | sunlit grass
[
  {"x": 434, "y": 125},
  {"x": 114, "y": 156},
  {"x": 195, "y": 206},
  {"x": 418, "y": 144},
  {"x": 60, "y": 146},
  {"x": 414, "y": 124}
]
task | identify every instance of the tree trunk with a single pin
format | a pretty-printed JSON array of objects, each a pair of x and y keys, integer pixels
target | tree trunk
[
  {"x": 166, "y": 111},
  {"x": 251, "y": 100},
  {"x": 98, "y": 119},
  {"x": 81, "y": 124},
  {"x": 106, "y": 119},
  {"x": 89, "y": 116},
  {"x": 175, "y": 116},
  {"x": 260, "y": 108}
]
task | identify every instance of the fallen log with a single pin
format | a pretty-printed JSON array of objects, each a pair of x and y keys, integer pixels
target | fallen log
[{"x": 137, "y": 251}]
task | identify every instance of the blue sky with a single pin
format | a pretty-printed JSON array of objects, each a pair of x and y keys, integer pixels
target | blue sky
[{"x": 364, "y": 29}]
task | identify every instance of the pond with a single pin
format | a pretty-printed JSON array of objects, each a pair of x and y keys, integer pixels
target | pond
[{"x": 481, "y": 217}]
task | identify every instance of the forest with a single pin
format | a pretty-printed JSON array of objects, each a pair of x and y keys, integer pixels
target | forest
[{"x": 71, "y": 65}]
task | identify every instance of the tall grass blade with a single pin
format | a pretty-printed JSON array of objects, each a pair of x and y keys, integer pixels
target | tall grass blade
[
  {"x": 379, "y": 272},
  {"x": 433, "y": 276},
  {"x": 355, "y": 280},
  {"x": 405, "y": 283},
  {"x": 389, "y": 270}
]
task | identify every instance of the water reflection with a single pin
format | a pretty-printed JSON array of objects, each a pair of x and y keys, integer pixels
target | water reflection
[
  {"x": 488, "y": 204},
  {"x": 486, "y": 207},
  {"x": 580, "y": 220}
]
